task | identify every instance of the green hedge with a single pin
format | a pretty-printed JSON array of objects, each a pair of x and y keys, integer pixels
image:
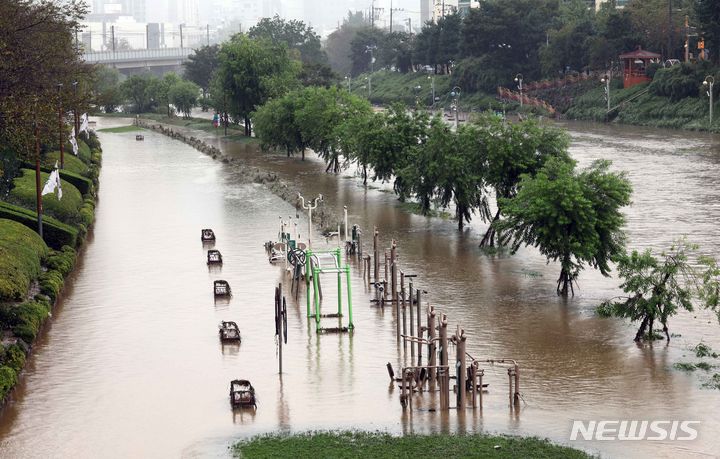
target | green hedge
[
  {"x": 72, "y": 162},
  {"x": 8, "y": 379},
  {"x": 56, "y": 233},
  {"x": 24, "y": 320},
  {"x": 21, "y": 252},
  {"x": 66, "y": 209},
  {"x": 83, "y": 184}
]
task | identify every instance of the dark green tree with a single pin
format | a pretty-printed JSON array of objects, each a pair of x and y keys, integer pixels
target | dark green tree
[
  {"x": 571, "y": 217},
  {"x": 511, "y": 150},
  {"x": 707, "y": 13},
  {"x": 250, "y": 72},
  {"x": 200, "y": 68},
  {"x": 183, "y": 95},
  {"x": 295, "y": 35},
  {"x": 139, "y": 90}
]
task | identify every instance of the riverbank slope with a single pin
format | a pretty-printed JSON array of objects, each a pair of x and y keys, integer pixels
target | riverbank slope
[{"x": 33, "y": 269}]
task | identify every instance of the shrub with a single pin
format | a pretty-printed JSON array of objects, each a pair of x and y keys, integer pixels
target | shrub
[
  {"x": 72, "y": 163},
  {"x": 25, "y": 319},
  {"x": 56, "y": 233},
  {"x": 21, "y": 252},
  {"x": 8, "y": 379},
  {"x": 66, "y": 209},
  {"x": 14, "y": 357},
  {"x": 51, "y": 283},
  {"x": 61, "y": 260}
]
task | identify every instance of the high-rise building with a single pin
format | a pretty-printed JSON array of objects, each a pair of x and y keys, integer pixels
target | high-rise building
[
  {"x": 442, "y": 8},
  {"x": 425, "y": 11}
]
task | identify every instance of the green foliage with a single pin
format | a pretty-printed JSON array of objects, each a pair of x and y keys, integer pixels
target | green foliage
[
  {"x": 106, "y": 88},
  {"x": 338, "y": 44},
  {"x": 684, "y": 366},
  {"x": 14, "y": 357},
  {"x": 62, "y": 260},
  {"x": 383, "y": 445},
  {"x": 8, "y": 379},
  {"x": 21, "y": 252},
  {"x": 201, "y": 65},
  {"x": 56, "y": 233},
  {"x": 66, "y": 209},
  {"x": 121, "y": 129},
  {"x": 51, "y": 283},
  {"x": 677, "y": 82},
  {"x": 656, "y": 288},
  {"x": 25, "y": 320},
  {"x": 251, "y": 72},
  {"x": 295, "y": 35},
  {"x": 72, "y": 164},
  {"x": 569, "y": 216},
  {"x": 137, "y": 89},
  {"x": 183, "y": 95}
]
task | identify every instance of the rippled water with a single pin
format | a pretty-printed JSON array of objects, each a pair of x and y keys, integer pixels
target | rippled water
[{"x": 131, "y": 365}]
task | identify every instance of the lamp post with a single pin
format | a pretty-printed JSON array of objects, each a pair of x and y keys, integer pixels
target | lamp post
[
  {"x": 310, "y": 207},
  {"x": 432, "y": 85},
  {"x": 76, "y": 119},
  {"x": 709, "y": 82},
  {"x": 370, "y": 49},
  {"x": 417, "y": 96},
  {"x": 455, "y": 93},
  {"x": 60, "y": 126},
  {"x": 606, "y": 80},
  {"x": 518, "y": 80},
  {"x": 348, "y": 78}
]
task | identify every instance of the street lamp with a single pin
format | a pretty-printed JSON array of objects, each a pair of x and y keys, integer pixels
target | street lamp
[
  {"x": 455, "y": 93},
  {"x": 370, "y": 49},
  {"x": 348, "y": 78},
  {"x": 417, "y": 95},
  {"x": 709, "y": 82},
  {"x": 309, "y": 207},
  {"x": 518, "y": 79},
  {"x": 76, "y": 119},
  {"x": 606, "y": 80},
  {"x": 432, "y": 83}
]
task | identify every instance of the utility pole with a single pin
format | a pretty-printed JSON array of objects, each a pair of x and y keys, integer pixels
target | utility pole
[
  {"x": 391, "y": 12},
  {"x": 60, "y": 126},
  {"x": 38, "y": 195},
  {"x": 181, "y": 37},
  {"x": 409, "y": 21},
  {"x": 208, "y": 34},
  {"x": 112, "y": 37},
  {"x": 147, "y": 36},
  {"x": 670, "y": 30},
  {"x": 687, "y": 40},
  {"x": 372, "y": 14}
]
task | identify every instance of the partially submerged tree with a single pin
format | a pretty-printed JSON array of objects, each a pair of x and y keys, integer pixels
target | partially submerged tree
[
  {"x": 183, "y": 95},
  {"x": 570, "y": 217},
  {"x": 511, "y": 150},
  {"x": 656, "y": 287}
]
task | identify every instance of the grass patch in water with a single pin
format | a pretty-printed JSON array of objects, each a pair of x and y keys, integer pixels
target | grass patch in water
[
  {"x": 684, "y": 366},
  {"x": 713, "y": 382},
  {"x": 121, "y": 129},
  {"x": 703, "y": 350},
  {"x": 415, "y": 208},
  {"x": 704, "y": 366},
  {"x": 382, "y": 445}
]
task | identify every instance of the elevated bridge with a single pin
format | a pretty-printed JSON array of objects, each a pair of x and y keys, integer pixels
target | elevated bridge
[{"x": 134, "y": 61}]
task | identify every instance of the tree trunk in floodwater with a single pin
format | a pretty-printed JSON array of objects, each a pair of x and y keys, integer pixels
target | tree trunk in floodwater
[
  {"x": 364, "y": 175},
  {"x": 488, "y": 239},
  {"x": 565, "y": 280},
  {"x": 248, "y": 127},
  {"x": 641, "y": 329},
  {"x": 303, "y": 154}
]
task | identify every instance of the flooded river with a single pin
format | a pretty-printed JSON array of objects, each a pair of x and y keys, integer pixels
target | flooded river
[{"x": 131, "y": 365}]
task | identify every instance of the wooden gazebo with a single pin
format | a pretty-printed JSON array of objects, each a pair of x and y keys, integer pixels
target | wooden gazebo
[{"x": 634, "y": 65}]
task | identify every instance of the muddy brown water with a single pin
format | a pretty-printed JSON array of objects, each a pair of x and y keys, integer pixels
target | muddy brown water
[{"x": 131, "y": 365}]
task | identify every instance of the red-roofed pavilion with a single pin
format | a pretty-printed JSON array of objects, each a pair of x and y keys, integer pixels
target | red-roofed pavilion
[{"x": 634, "y": 65}]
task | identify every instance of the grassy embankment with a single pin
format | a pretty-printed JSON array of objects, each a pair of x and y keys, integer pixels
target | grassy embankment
[
  {"x": 646, "y": 110},
  {"x": 33, "y": 270},
  {"x": 393, "y": 87},
  {"x": 366, "y": 444}
]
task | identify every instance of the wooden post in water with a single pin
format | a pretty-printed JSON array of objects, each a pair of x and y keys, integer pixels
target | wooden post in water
[
  {"x": 419, "y": 326},
  {"x": 473, "y": 383},
  {"x": 510, "y": 386},
  {"x": 445, "y": 388},
  {"x": 376, "y": 255},
  {"x": 432, "y": 354},
  {"x": 517, "y": 384},
  {"x": 461, "y": 369},
  {"x": 402, "y": 300}
]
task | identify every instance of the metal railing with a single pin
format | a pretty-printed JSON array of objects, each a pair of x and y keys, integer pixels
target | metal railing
[{"x": 136, "y": 55}]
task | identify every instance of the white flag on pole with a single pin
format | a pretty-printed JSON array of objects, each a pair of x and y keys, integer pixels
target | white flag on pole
[
  {"x": 84, "y": 123},
  {"x": 53, "y": 182},
  {"x": 73, "y": 142}
]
